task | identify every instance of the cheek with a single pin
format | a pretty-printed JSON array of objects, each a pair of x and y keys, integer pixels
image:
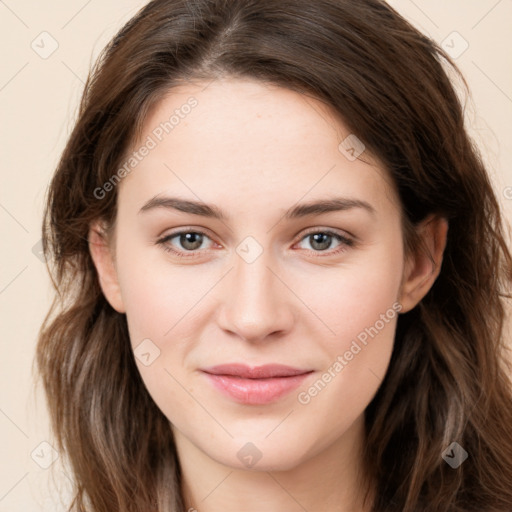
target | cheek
[
  {"x": 160, "y": 297},
  {"x": 162, "y": 303},
  {"x": 348, "y": 300},
  {"x": 159, "y": 312},
  {"x": 360, "y": 307}
]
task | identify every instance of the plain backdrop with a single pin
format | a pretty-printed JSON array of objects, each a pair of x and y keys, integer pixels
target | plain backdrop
[{"x": 47, "y": 49}]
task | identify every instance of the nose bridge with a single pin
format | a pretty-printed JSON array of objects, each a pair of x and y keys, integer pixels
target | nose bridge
[
  {"x": 255, "y": 303},
  {"x": 253, "y": 280}
]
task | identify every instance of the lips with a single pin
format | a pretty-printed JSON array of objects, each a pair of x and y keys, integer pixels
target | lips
[
  {"x": 257, "y": 372},
  {"x": 255, "y": 385}
]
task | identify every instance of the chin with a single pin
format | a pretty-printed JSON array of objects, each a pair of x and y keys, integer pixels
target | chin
[{"x": 260, "y": 456}]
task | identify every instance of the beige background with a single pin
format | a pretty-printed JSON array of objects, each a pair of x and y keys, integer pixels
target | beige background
[{"x": 38, "y": 101}]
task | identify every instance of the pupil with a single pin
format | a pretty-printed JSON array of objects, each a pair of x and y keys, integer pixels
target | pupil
[
  {"x": 189, "y": 240},
  {"x": 323, "y": 245}
]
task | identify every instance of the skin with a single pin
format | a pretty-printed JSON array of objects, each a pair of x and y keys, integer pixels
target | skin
[{"x": 255, "y": 150}]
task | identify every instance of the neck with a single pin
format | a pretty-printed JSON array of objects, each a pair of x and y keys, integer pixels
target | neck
[{"x": 329, "y": 481}]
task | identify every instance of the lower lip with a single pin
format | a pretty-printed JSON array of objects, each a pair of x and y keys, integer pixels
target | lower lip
[{"x": 256, "y": 391}]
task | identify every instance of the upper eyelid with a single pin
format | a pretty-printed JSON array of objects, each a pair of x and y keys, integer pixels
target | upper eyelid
[
  {"x": 339, "y": 232},
  {"x": 182, "y": 231}
]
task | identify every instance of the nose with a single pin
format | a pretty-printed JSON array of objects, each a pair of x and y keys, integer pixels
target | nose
[{"x": 256, "y": 305}]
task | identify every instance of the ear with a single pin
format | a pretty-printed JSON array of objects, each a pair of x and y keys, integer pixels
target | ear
[
  {"x": 423, "y": 266},
  {"x": 104, "y": 260}
]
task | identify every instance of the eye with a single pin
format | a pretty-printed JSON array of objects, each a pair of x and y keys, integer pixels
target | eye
[
  {"x": 321, "y": 241},
  {"x": 187, "y": 241},
  {"x": 193, "y": 242}
]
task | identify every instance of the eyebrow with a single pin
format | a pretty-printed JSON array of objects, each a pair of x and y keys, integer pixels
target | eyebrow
[{"x": 297, "y": 211}]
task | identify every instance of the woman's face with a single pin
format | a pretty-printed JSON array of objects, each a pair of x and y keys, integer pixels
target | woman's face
[{"x": 263, "y": 278}]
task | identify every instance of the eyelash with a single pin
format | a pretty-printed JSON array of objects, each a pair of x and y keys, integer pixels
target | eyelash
[{"x": 345, "y": 242}]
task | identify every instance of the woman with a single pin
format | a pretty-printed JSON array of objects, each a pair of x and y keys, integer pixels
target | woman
[{"x": 281, "y": 270}]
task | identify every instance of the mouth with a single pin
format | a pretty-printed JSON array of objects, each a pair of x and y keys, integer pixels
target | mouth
[{"x": 255, "y": 385}]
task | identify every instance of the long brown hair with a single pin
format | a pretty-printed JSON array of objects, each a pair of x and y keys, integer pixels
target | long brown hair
[{"x": 448, "y": 377}]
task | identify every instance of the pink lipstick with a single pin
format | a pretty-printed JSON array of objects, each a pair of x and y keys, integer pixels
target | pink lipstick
[{"x": 257, "y": 385}]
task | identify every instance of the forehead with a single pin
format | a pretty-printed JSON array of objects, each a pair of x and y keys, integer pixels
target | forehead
[{"x": 237, "y": 140}]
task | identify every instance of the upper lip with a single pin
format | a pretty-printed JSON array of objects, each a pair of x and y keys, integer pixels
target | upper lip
[{"x": 266, "y": 371}]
